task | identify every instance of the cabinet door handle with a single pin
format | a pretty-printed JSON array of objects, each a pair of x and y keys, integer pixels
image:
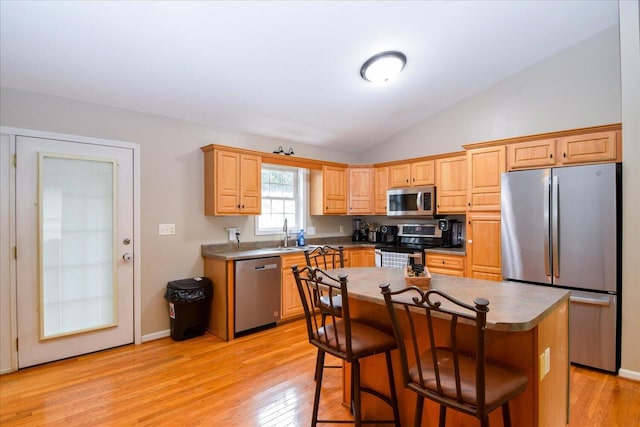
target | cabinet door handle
[{"x": 551, "y": 156}]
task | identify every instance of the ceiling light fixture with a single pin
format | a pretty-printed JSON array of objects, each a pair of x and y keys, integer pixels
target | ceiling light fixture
[{"x": 383, "y": 67}]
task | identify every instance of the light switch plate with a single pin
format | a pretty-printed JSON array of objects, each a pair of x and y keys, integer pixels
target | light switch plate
[{"x": 166, "y": 229}]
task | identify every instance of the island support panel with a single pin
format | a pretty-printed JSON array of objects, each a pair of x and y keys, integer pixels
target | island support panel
[{"x": 544, "y": 403}]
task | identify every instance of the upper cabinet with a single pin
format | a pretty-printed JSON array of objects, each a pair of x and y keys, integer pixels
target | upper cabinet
[
  {"x": 451, "y": 185},
  {"x": 380, "y": 187},
  {"x": 328, "y": 191},
  {"x": 590, "y": 148},
  {"x": 412, "y": 174},
  {"x": 361, "y": 184},
  {"x": 231, "y": 182},
  {"x": 484, "y": 168},
  {"x": 532, "y": 154},
  {"x": 595, "y": 147}
]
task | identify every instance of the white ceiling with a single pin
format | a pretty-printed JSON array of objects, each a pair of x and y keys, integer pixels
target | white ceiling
[{"x": 286, "y": 69}]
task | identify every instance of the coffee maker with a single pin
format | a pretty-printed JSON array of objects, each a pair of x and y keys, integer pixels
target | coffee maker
[
  {"x": 359, "y": 232},
  {"x": 388, "y": 234},
  {"x": 452, "y": 233}
]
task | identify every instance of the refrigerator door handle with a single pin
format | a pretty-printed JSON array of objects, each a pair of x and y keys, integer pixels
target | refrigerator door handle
[
  {"x": 591, "y": 301},
  {"x": 555, "y": 240},
  {"x": 547, "y": 228}
]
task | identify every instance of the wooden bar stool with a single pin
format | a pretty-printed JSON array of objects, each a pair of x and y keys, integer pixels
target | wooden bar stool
[
  {"x": 450, "y": 369},
  {"x": 344, "y": 338},
  {"x": 326, "y": 258}
]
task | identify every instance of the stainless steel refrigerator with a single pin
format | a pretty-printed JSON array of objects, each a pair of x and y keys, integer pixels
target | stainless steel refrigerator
[{"x": 562, "y": 227}]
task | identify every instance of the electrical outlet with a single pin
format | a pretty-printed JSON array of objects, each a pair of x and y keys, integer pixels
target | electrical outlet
[
  {"x": 166, "y": 229},
  {"x": 232, "y": 233},
  {"x": 542, "y": 365},
  {"x": 547, "y": 359},
  {"x": 544, "y": 362},
  {"x": 341, "y": 228},
  {"x": 311, "y": 231}
]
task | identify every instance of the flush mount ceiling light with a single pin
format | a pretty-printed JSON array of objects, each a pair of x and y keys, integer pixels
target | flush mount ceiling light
[{"x": 383, "y": 67}]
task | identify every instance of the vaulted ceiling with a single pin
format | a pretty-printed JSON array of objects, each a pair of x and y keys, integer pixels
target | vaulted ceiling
[{"x": 284, "y": 69}]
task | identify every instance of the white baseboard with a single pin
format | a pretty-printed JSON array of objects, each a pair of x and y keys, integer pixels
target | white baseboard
[
  {"x": 632, "y": 375},
  {"x": 156, "y": 335}
]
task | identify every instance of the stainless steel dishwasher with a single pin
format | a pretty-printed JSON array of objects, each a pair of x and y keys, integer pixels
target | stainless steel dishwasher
[{"x": 257, "y": 293}]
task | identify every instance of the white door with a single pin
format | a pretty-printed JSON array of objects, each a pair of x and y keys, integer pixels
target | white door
[{"x": 74, "y": 234}]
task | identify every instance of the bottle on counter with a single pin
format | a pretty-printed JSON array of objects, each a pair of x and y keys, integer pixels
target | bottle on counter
[{"x": 300, "y": 241}]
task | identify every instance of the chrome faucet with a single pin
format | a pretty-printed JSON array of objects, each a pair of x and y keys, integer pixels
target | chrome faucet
[{"x": 285, "y": 243}]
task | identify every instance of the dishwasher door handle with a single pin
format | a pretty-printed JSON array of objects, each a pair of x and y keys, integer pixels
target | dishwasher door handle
[{"x": 266, "y": 267}]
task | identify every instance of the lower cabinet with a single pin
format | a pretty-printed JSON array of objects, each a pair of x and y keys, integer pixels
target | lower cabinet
[
  {"x": 483, "y": 246},
  {"x": 291, "y": 306},
  {"x": 361, "y": 257},
  {"x": 453, "y": 265}
]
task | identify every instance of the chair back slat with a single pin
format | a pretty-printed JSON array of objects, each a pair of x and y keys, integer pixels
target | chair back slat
[
  {"x": 327, "y": 329},
  {"x": 325, "y": 257},
  {"x": 433, "y": 358}
]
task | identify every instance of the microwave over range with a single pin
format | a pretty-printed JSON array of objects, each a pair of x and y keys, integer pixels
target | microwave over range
[{"x": 412, "y": 201}]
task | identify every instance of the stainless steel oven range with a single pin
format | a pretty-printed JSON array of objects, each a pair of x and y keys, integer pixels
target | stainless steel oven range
[{"x": 409, "y": 245}]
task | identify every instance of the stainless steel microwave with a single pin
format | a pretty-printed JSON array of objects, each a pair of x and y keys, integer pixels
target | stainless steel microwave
[{"x": 411, "y": 201}]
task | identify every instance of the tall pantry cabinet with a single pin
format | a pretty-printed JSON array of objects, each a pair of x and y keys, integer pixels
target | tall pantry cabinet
[{"x": 484, "y": 169}]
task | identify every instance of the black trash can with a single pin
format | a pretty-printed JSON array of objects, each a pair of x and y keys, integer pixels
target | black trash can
[{"x": 189, "y": 302}]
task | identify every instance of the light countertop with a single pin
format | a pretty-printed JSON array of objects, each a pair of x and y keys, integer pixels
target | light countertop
[
  {"x": 512, "y": 306},
  {"x": 214, "y": 251}
]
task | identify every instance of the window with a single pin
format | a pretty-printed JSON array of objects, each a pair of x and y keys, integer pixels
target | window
[{"x": 282, "y": 197}]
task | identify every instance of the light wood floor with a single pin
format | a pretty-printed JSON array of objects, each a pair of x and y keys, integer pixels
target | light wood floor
[{"x": 264, "y": 379}]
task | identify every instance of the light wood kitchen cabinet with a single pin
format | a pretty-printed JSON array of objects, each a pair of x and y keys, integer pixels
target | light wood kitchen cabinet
[
  {"x": 453, "y": 265},
  {"x": 484, "y": 168},
  {"x": 483, "y": 246},
  {"x": 221, "y": 272},
  {"x": 590, "y": 148},
  {"x": 451, "y": 185},
  {"x": 532, "y": 154},
  {"x": 328, "y": 191},
  {"x": 594, "y": 147},
  {"x": 361, "y": 195},
  {"x": 412, "y": 174},
  {"x": 380, "y": 187},
  {"x": 361, "y": 257},
  {"x": 232, "y": 183},
  {"x": 291, "y": 306}
]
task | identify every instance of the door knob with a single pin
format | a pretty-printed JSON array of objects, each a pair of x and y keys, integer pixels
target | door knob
[{"x": 127, "y": 257}]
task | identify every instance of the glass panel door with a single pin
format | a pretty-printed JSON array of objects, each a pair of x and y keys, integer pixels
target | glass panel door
[{"x": 77, "y": 200}]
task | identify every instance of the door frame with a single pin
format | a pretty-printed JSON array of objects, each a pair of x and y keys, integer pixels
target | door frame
[{"x": 10, "y": 240}]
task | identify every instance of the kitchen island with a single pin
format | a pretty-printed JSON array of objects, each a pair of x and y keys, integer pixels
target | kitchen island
[{"x": 527, "y": 326}]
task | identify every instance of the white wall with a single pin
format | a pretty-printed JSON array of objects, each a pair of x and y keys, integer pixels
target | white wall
[
  {"x": 171, "y": 181},
  {"x": 578, "y": 87},
  {"x": 7, "y": 328},
  {"x": 630, "y": 82}
]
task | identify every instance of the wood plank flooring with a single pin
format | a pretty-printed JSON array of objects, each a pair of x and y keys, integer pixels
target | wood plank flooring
[{"x": 264, "y": 379}]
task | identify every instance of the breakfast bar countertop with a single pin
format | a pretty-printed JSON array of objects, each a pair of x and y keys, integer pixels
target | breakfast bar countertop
[{"x": 512, "y": 306}]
